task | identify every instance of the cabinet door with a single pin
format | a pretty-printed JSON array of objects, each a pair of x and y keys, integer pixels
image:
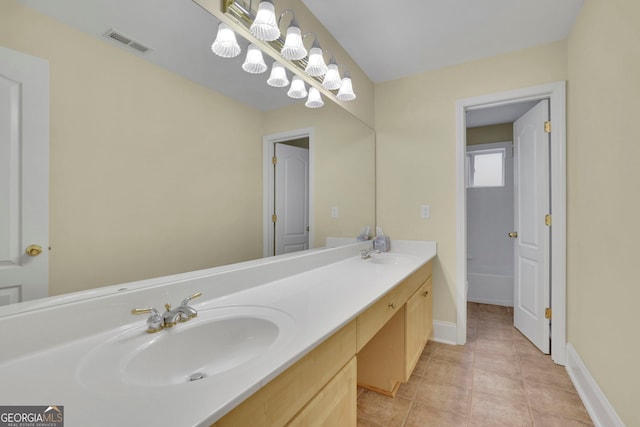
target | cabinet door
[
  {"x": 428, "y": 310},
  {"x": 414, "y": 330}
]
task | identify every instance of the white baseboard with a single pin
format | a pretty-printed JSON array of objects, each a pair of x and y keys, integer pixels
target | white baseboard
[
  {"x": 444, "y": 332},
  {"x": 597, "y": 405}
]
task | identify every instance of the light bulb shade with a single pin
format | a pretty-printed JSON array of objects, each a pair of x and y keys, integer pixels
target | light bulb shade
[
  {"x": 265, "y": 27},
  {"x": 297, "y": 89},
  {"x": 278, "y": 77},
  {"x": 225, "y": 45},
  {"x": 346, "y": 90},
  {"x": 293, "y": 48},
  {"x": 332, "y": 79},
  {"x": 315, "y": 99},
  {"x": 316, "y": 66},
  {"x": 254, "y": 62}
]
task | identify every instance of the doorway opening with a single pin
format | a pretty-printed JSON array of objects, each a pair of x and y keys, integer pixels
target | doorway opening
[
  {"x": 287, "y": 199},
  {"x": 556, "y": 273},
  {"x": 508, "y": 200}
]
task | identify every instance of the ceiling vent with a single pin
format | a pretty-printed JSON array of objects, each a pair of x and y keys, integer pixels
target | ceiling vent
[{"x": 126, "y": 40}]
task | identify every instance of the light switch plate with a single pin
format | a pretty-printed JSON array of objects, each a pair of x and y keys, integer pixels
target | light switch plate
[
  {"x": 334, "y": 212},
  {"x": 425, "y": 211}
]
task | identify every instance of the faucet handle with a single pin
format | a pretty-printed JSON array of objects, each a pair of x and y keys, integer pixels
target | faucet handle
[
  {"x": 155, "y": 322},
  {"x": 188, "y": 299},
  {"x": 144, "y": 310}
]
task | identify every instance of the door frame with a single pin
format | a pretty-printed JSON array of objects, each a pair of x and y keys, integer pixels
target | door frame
[
  {"x": 556, "y": 93},
  {"x": 268, "y": 150}
]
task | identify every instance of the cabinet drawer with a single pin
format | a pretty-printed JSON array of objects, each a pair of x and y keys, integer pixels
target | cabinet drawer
[
  {"x": 419, "y": 277},
  {"x": 374, "y": 318}
]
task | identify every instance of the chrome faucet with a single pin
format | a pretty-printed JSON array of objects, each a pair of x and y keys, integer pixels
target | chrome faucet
[
  {"x": 182, "y": 313},
  {"x": 157, "y": 322},
  {"x": 366, "y": 253}
]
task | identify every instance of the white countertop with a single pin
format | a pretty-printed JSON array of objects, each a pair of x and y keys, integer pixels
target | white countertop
[{"x": 320, "y": 300}]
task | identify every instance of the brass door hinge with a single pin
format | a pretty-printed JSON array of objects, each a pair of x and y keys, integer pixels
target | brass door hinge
[
  {"x": 274, "y": 160},
  {"x": 547, "y": 126},
  {"x": 274, "y": 218},
  {"x": 547, "y": 313},
  {"x": 547, "y": 220}
]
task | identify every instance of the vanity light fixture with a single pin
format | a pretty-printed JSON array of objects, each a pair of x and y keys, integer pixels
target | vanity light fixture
[
  {"x": 262, "y": 26},
  {"x": 346, "y": 88},
  {"x": 278, "y": 77},
  {"x": 254, "y": 62},
  {"x": 316, "y": 66},
  {"x": 332, "y": 79},
  {"x": 297, "y": 89},
  {"x": 265, "y": 27},
  {"x": 293, "y": 48},
  {"x": 315, "y": 99},
  {"x": 225, "y": 45}
]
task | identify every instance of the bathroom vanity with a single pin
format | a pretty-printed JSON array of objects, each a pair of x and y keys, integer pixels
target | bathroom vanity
[{"x": 277, "y": 341}]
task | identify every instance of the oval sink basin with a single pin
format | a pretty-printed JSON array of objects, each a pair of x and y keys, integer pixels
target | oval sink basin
[
  {"x": 396, "y": 259},
  {"x": 218, "y": 340}
]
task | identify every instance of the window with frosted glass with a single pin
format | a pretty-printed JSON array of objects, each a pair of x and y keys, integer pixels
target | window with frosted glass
[{"x": 485, "y": 168}]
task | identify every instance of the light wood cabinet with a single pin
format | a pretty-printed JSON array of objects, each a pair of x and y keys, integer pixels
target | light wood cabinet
[
  {"x": 393, "y": 332},
  {"x": 282, "y": 398},
  {"x": 378, "y": 350},
  {"x": 335, "y": 405},
  {"x": 375, "y": 317},
  {"x": 419, "y": 325}
]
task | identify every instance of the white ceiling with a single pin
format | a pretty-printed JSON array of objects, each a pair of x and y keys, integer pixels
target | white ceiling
[
  {"x": 180, "y": 33},
  {"x": 394, "y": 39},
  {"x": 389, "y": 40}
]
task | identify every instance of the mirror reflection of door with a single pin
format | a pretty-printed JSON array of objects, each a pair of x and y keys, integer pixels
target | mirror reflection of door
[
  {"x": 24, "y": 177},
  {"x": 291, "y": 196}
]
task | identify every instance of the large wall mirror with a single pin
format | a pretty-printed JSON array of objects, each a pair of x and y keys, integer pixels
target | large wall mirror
[{"x": 153, "y": 172}]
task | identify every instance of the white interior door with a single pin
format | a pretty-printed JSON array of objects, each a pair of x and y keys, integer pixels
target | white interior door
[
  {"x": 24, "y": 177},
  {"x": 291, "y": 199},
  {"x": 532, "y": 204}
]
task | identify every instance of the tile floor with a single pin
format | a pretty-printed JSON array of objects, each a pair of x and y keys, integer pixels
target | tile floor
[{"x": 497, "y": 379}]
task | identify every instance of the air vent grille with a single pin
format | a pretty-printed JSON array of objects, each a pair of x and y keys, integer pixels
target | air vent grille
[{"x": 127, "y": 41}]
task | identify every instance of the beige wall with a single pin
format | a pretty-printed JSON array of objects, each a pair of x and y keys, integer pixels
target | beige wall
[
  {"x": 489, "y": 134},
  {"x": 415, "y": 132},
  {"x": 603, "y": 202},
  {"x": 151, "y": 174},
  {"x": 341, "y": 143}
]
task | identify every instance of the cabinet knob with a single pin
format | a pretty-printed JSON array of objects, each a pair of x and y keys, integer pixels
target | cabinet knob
[
  {"x": 425, "y": 294},
  {"x": 392, "y": 305}
]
